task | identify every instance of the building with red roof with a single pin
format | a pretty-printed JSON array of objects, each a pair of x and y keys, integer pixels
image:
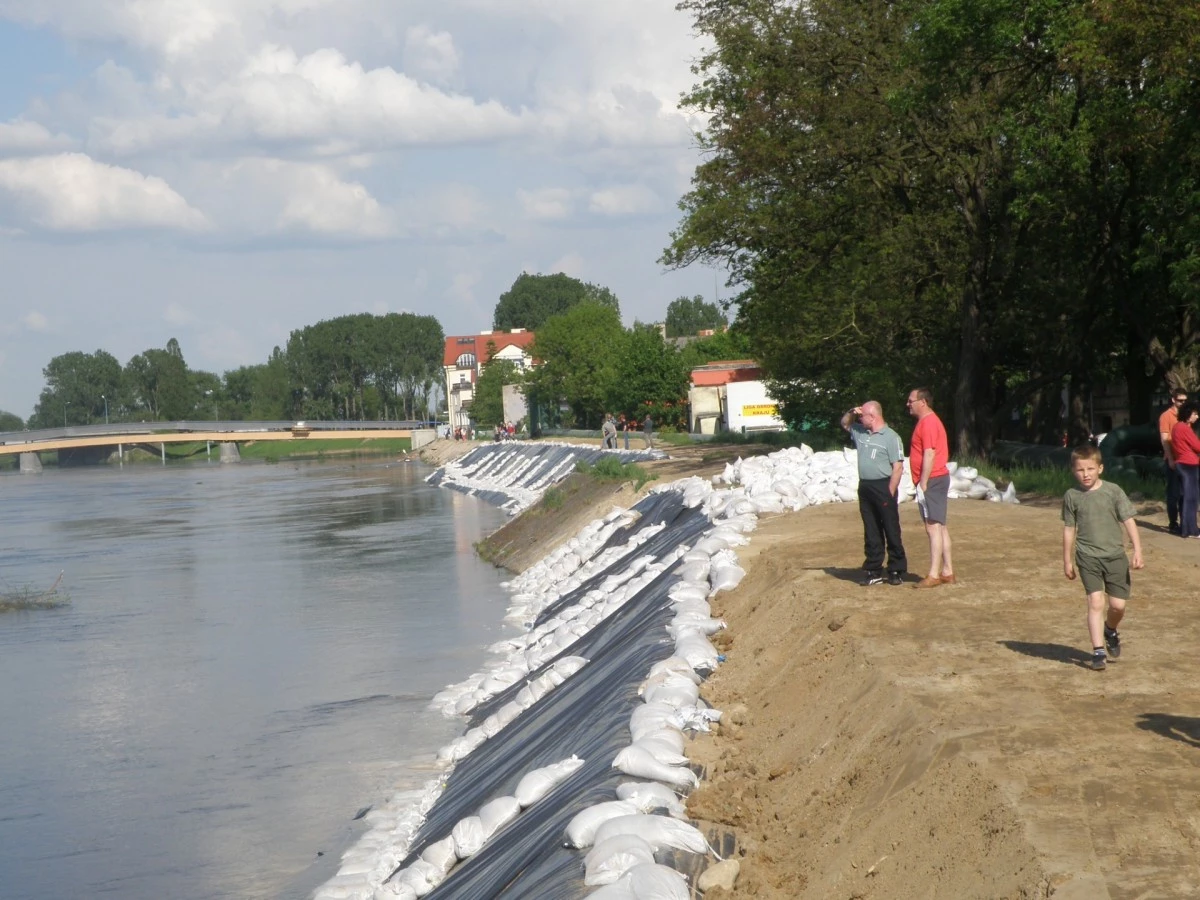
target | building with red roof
[{"x": 466, "y": 356}]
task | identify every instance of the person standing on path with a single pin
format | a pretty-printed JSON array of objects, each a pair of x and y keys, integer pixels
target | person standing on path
[
  {"x": 1185, "y": 446},
  {"x": 624, "y": 425},
  {"x": 929, "y": 451},
  {"x": 880, "y": 465},
  {"x": 608, "y": 433},
  {"x": 648, "y": 431},
  {"x": 1094, "y": 514},
  {"x": 1166, "y": 423}
]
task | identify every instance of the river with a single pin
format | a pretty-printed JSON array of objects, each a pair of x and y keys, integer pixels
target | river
[{"x": 245, "y": 661}]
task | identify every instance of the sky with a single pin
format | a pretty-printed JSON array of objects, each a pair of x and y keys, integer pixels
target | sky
[{"x": 223, "y": 172}]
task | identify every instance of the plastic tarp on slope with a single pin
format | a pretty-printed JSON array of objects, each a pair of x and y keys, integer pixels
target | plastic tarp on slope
[
  {"x": 514, "y": 476},
  {"x": 586, "y": 716}
]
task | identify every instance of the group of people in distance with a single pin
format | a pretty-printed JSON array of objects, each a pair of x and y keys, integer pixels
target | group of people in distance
[
  {"x": 1097, "y": 515},
  {"x": 505, "y": 431},
  {"x": 1181, "y": 452},
  {"x": 622, "y": 425}
]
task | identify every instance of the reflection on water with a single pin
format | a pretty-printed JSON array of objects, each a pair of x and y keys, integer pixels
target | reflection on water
[{"x": 246, "y": 662}]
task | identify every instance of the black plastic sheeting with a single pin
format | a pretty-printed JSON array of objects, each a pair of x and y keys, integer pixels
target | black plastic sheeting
[
  {"x": 586, "y": 716},
  {"x": 507, "y": 467}
]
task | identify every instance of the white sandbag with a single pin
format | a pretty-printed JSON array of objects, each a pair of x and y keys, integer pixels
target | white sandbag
[
  {"x": 663, "y": 751},
  {"x": 569, "y": 665},
  {"x": 726, "y": 577},
  {"x": 537, "y": 784},
  {"x": 960, "y": 484},
  {"x": 695, "y": 571},
  {"x": 442, "y": 855},
  {"x": 640, "y": 763},
  {"x": 767, "y": 502},
  {"x": 707, "y": 627},
  {"x": 1010, "y": 494},
  {"x": 648, "y": 796},
  {"x": 650, "y": 717},
  {"x": 697, "y": 650},
  {"x": 976, "y": 491},
  {"x": 607, "y": 862},
  {"x": 393, "y": 890},
  {"x": 671, "y": 736},
  {"x": 421, "y": 877},
  {"x": 645, "y": 881},
  {"x": 677, "y": 694},
  {"x": 581, "y": 830},
  {"x": 968, "y": 472},
  {"x": 468, "y": 836},
  {"x": 497, "y": 813},
  {"x": 986, "y": 482},
  {"x": 845, "y": 493},
  {"x": 660, "y": 832},
  {"x": 994, "y": 496},
  {"x": 676, "y": 665},
  {"x": 951, "y": 467}
]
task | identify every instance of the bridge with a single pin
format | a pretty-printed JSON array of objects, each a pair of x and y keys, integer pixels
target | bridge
[{"x": 127, "y": 434}]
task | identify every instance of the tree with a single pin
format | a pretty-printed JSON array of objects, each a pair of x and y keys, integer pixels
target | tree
[
  {"x": 650, "y": 377},
  {"x": 488, "y": 406},
  {"x": 687, "y": 317},
  {"x": 533, "y": 299},
  {"x": 11, "y": 421},
  {"x": 76, "y": 387},
  {"x": 157, "y": 385},
  {"x": 579, "y": 352}
]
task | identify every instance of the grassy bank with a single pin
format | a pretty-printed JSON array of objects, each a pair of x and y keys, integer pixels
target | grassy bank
[{"x": 1053, "y": 481}]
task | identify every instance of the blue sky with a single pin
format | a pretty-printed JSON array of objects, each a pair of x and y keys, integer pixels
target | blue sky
[{"x": 225, "y": 171}]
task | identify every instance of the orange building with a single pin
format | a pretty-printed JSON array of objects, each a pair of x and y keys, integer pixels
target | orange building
[{"x": 466, "y": 356}]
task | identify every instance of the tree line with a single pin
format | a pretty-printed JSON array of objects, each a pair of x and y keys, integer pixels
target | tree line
[
  {"x": 367, "y": 367},
  {"x": 354, "y": 367},
  {"x": 994, "y": 198}
]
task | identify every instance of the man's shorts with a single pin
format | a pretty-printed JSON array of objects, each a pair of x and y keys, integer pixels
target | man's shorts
[
  {"x": 936, "y": 500},
  {"x": 1108, "y": 575}
]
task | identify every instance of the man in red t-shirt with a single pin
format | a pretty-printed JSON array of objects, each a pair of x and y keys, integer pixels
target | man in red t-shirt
[
  {"x": 1166, "y": 422},
  {"x": 928, "y": 454}
]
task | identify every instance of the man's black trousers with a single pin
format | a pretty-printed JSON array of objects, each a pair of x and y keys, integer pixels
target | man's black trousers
[{"x": 881, "y": 521}]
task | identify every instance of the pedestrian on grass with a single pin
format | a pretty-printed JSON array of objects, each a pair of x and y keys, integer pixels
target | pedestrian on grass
[
  {"x": 648, "y": 431},
  {"x": 1094, "y": 514},
  {"x": 880, "y": 465},
  {"x": 1166, "y": 424},
  {"x": 623, "y": 427},
  {"x": 929, "y": 451},
  {"x": 1185, "y": 447}
]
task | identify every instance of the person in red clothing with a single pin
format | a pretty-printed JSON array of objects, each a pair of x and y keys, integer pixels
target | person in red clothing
[
  {"x": 1166, "y": 422},
  {"x": 1185, "y": 446},
  {"x": 929, "y": 451}
]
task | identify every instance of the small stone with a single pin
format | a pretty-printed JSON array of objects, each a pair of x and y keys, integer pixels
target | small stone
[{"x": 720, "y": 875}]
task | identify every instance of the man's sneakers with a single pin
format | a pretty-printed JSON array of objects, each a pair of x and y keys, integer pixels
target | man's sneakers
[
  {"x": 875, "y": 576},
  {"x": 1112, "y": 642},
  {"x": 1099, "y": 662}
]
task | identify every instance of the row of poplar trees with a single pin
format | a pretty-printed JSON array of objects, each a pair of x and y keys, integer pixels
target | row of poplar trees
[{"x": 994, "y": 198}]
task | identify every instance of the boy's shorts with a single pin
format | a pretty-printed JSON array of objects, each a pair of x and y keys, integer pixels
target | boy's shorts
[
  {"x": 937, "y": 499},
  {"x": 1108, "y": 575}
]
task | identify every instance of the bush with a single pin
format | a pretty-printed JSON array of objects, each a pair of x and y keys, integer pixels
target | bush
[{"x": 610, "y": 468}]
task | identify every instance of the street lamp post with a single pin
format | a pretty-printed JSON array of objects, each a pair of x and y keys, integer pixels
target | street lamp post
[
  {"x": 105, "y": 399},
  {"x": 209, "y": 394}
]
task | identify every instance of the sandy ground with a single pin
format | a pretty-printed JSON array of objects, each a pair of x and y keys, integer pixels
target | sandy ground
[
  {"x": 888, "y": 742},
  {"x": 895, "y": 743}
]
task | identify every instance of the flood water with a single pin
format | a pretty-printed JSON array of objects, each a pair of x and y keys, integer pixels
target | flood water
[{"x": 245, "y": 661}]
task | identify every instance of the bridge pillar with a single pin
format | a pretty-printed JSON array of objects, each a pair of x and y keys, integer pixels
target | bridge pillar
[
  {"x": 229, "y": 452},
  {"x": 31, "y": 464}
]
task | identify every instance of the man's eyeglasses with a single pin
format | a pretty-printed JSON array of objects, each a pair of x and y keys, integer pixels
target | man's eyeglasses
[{"x": 1179, "y": 401}]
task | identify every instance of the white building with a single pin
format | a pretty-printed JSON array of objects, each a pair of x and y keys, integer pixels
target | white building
[{"x": 465, "y": 358}]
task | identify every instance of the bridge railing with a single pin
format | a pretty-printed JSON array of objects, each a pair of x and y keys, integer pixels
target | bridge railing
[{"x": 229, "y": 427}]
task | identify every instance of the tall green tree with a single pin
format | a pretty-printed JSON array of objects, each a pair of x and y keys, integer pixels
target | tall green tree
[
  {"x": 533, "y": 299},
  {"x": 650, "y": 377},
  {"x": 10, "y": 421},
  {"x": 487, "y": 408},
  {"x": 687, "y": 316},
  {"x": 579, "y": 352},
  {"x": 76, "y": 387},
  {"x": 158, "y": 385}
]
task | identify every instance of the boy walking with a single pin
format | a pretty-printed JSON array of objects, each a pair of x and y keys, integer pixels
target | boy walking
[{"x": 1095, "y": 513}]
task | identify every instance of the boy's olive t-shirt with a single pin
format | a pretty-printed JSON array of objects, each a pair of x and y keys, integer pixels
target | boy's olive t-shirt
[{"x": 1097, "y": 516}]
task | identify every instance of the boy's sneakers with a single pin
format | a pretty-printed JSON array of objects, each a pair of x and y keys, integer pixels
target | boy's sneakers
[
  {"x": 1112, "y": 641},
  {"x": 1099, "y": 661},
  {"x": 873, "y": 576}
]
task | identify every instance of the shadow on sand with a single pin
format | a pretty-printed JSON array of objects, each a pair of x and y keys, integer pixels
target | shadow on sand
[
  {"x": 1185, "y": 729},
  {"x": 1072, "y": 656}
]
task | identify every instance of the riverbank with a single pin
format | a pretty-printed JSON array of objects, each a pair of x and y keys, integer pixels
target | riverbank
[{"x": 890, "y": 743}]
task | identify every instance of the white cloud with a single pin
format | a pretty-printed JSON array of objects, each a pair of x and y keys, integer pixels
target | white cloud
[
  {"x": 175, "y": 314},
  {"x": 546, "y": 204},
  {"x": 35, "y": 321},
  {"x": 21, "y": 136},
  {"x": 430, "y": 54},
  {"x": 571, "y": 264},
  {"x": 75, "y": 193},
  {"x": 462, "y": 287},
  {"x": 626, "y": 200}
]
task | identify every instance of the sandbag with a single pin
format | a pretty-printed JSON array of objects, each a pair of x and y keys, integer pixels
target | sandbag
[
  {"x": 648, "y": 796},
  {"x": 660, "y": 832},
  {"x": 468, "y": 837},
  {"x": 608, "y": 861},
  {"x": 645, "y": 881},
  {"x": 441, "y": 855},
  {"x": 537, "y": 784},
  {"x": 581, "y": 830},
  {"x": 497, "y": 813},
  {"x": 640, "y": 763}
]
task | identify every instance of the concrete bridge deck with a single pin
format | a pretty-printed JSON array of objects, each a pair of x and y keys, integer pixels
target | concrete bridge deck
[{"x": 117, "y": 434}]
